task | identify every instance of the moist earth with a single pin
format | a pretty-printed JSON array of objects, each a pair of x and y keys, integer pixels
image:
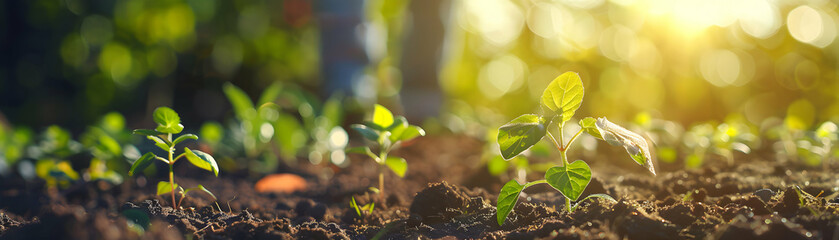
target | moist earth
[{"x": 447, "y": 193}]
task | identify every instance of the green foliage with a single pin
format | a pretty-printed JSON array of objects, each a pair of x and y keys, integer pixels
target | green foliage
[
  {"x": 367, "y": 208},
  {"x": 570, "y": 179},
  {"x": 562, "y": 98},
  {"x": 520, "y": 134},
  {"x": 387, "y": 132},
  {"x": 564, "y": 95},
  {"x": 314, "y": 125},
  {"x": 166, "y": 118}
]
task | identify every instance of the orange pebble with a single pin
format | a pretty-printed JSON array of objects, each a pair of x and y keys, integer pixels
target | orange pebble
[{"x": 281, "y": 183}]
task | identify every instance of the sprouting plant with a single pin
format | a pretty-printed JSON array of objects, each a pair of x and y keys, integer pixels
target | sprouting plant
[
  {"x": 255, "y": 129},
  {"x": 388, "y": 132},
  {"x": 169, "y": 123},
  {"x": 367, "y": 208},
  {"x": 817, "y": 148},
  {"x": 108, "y": 143},
  {"x": 52, "y": 152},
  {"x": 559, "y": 101}
]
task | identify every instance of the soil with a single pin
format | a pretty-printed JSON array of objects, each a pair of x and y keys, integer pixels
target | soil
[{"x": 447, "y": 193}]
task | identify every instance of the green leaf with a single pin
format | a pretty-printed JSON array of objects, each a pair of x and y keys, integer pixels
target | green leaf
[
  {"x": 201, "y": 188},
  {"x": 382, "y": 116},
  {"x": 634, "y": 144},
  {"x": 147, "y": 132},
  {"x": 240, "y": 101},
  {"x": 159, "y": 142},
  {"x": 564, "y": 95},
  {"x": 358, "y": 150},
  {"x": 202, "y": 160},
  {"x": 271, "y": 93},
  {"x": 164, "y": 187},
  {"x": 407, "y": 133},
  {"x": 184, "y": 137},
  {"x": 520, "y": 134},
  {"x": 570, "y": 180},
  {"x": 366, "y": 132},
  {"x": 398, "y": 122},
  {"x": 397, "y": 164},
  {"x": 167, "y": 120},
  {"x": 354, "y": 205},
  {"x": 507, "y": 198},
  {"x": 142, "y": 163},
  {"x": 589, "y": 126}
]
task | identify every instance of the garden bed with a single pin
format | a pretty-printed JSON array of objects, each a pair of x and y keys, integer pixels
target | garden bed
[{"x": 447, "y": 192}]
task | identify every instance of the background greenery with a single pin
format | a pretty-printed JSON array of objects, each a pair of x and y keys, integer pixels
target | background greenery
[{"x": 480, "y": 63}]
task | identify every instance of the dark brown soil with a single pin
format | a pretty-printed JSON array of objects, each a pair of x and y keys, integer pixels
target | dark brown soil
[{"x": 446, "y": 193}]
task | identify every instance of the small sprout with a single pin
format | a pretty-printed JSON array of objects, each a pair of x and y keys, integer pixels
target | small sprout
[
  {"x": 560, "y": 101},
  {"x": 367, "y": 208},
  {"x": 169, "y": 123},
  {"x": 388, "y": 132}
]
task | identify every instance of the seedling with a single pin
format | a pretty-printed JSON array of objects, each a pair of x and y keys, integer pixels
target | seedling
[
  {"x": 559, "y": 101},
  {"x": 169, "y": 123},
  {"x": 367, "y": 208},
  {"x": 388, "y": 132}
]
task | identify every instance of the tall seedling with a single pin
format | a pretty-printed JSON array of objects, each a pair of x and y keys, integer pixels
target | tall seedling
[
  {"x": 169, "y": 123},
  {"x": 560, "y": 100},
  {"x": 388, "y": 132}
]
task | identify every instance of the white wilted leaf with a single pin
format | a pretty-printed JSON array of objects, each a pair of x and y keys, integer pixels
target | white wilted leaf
[{"x": 635, "y": 145}]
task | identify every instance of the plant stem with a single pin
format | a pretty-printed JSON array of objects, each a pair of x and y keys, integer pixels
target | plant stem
[
  {"x": 573, "y": 138},
  {"x": 553, "y": 139},
  {"x": 172, "y": 172},
  {"x": 172, "y": 183},
  {"x": 568, "y": 204}
]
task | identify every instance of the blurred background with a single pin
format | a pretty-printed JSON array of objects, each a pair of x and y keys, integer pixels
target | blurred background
[{"x": 458, "y": 66}]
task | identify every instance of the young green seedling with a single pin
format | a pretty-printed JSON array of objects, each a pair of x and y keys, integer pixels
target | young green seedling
[
  {"x": 388, "y": 132},
  {"x": 168, "y": 123},
  {"x": 560, "y": 100},
  {"x": 366, "y": 209}
]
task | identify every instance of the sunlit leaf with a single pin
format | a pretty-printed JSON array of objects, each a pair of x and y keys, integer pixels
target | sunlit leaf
[
  {"x": 635, "y": 145},
  {"x": 564, "y": 95},
  {"x": 142, "y": 163},
  {"x": 397, "y": 164},
  {"x": 202, "y": 160},
  {"x": 382, "y": 116},
  {"x": 589, "y": 126},
  {"x": 571, "y": 180},
  {"x": 165, "y": 187},
  {"x": 184, "y": 137},
  {"x": 507, "y": 198},
  {"x": 167, "y": 120},
  {"x": 520, "y": 134}
]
